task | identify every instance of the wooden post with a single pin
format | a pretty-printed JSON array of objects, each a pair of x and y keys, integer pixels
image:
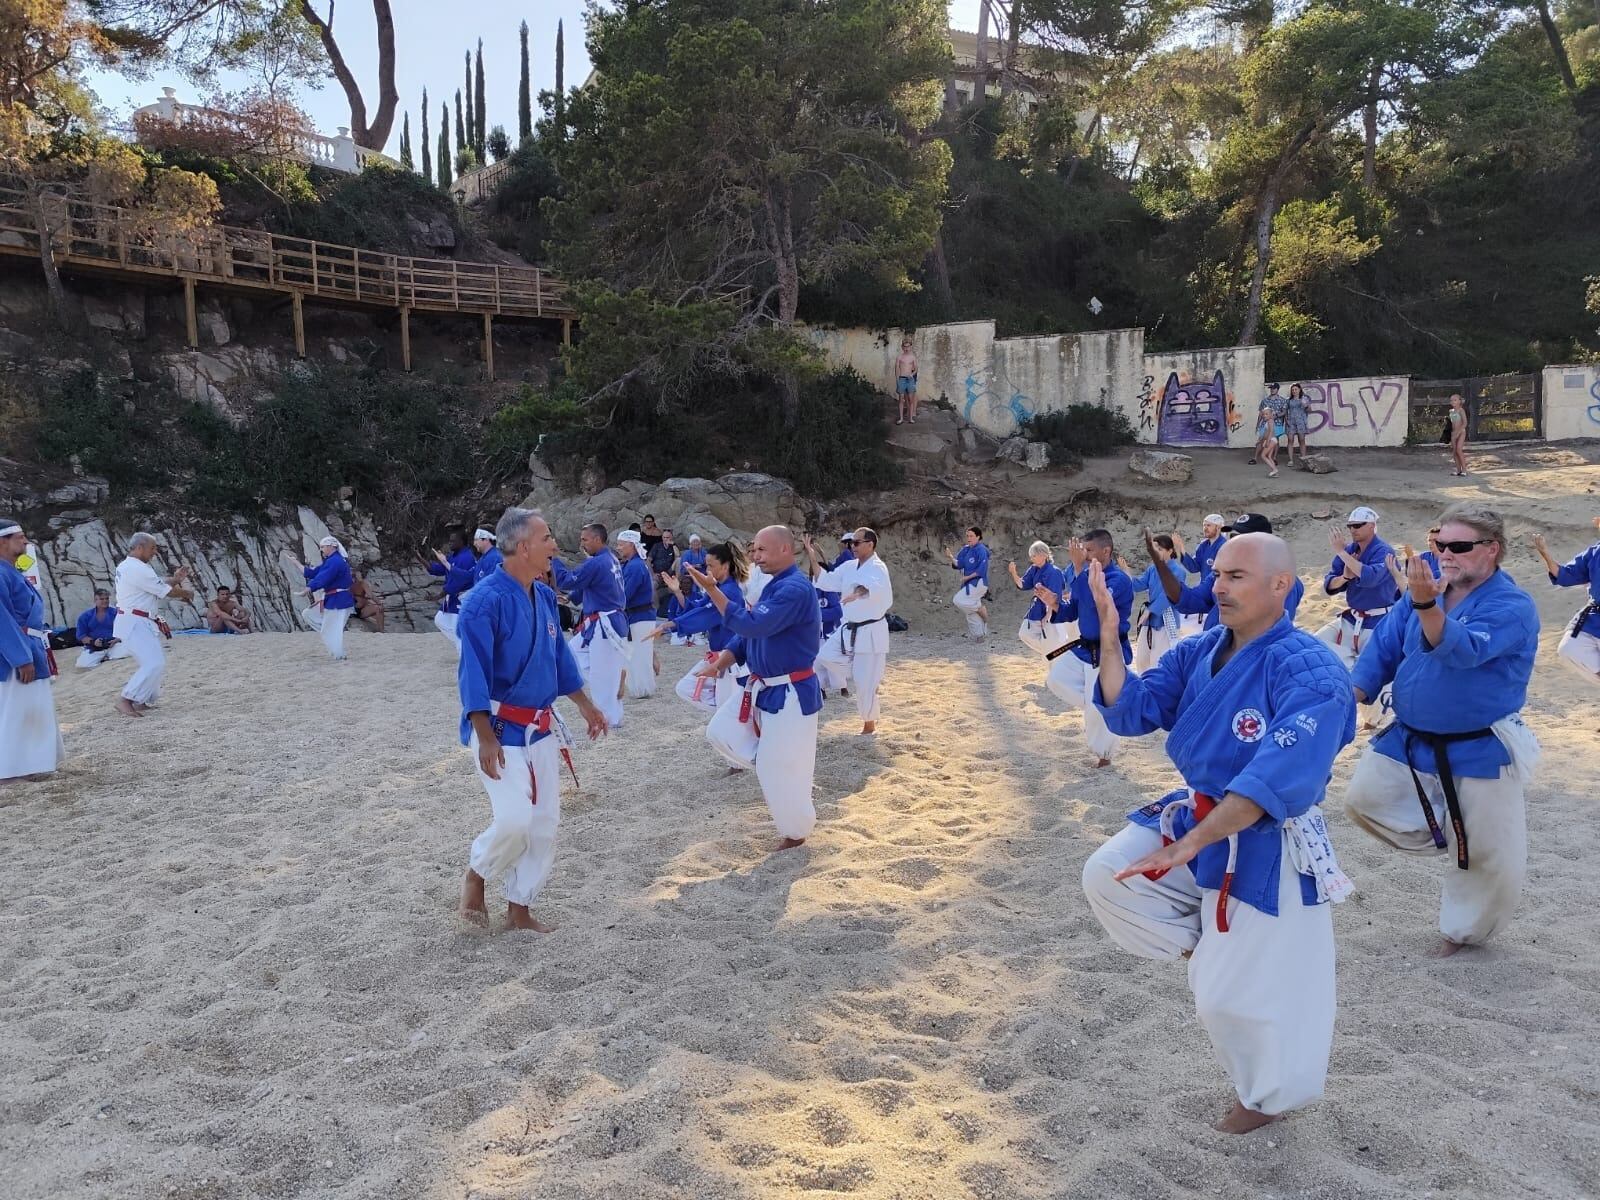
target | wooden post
[
  {"x": 314, "y": 286},
  {"x": 566, "y": 331},
  {"x": 405, "y": 336},
  {"x": 488, "y": 345},
  {"x": 299, "y": 325},
  {"x": 357, "y": 261},
  {"x": 188, "y": 312}
]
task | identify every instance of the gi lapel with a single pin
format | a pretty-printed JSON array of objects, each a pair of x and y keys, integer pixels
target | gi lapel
[{"x": 1197, "y": 725}]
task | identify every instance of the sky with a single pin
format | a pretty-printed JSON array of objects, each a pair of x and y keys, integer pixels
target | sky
[{"x": 430, "y": 39}]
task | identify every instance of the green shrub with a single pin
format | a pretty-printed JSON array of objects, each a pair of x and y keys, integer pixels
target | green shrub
[
  {"x": 83, "y": 416},
  {"x": 535, "y": 421},
  {"x": 839, "y": 444},
  {"x": 1080, "y": 431}
]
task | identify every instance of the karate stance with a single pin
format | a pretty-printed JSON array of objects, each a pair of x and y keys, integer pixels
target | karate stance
[
  {"x": 489, "y": 556},
  {"x": 858, "y": 650},
  {"x": 139, "y": 594},
  {"x": 1360, "y": 573},
  {"x": 1160, "y": 625},
  {"x": 329, "y": 615},
  {"x": 514, "y": 663},
  {"x": 95, "y": 629},
  {"x": 1233, "y": 870},
  {"x": 600, "y": 643},
  {"x": 726, "y": 565},
  {"x": 773, "y": 727},
  {"x": 1040, "y": 631},
  {"x": 30, "y": 738},
  {"x": 1075, "y": 666},
  {"x": 639, "y": 609},
  {"x": 459, "y": 570},
  {"x": 972, "y": 560},
  {"x": 1198, "y": 600},
  {"x": 1580, "y": 645},
  {"x": 1205, "y": 550},
  {"x": 1449, "y": 773}
]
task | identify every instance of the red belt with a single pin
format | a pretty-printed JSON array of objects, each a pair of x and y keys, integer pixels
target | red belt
[
  {"x": 749, "y": 690},
  {"x": 1203, "y": 807},
  {"x": 166, "y": 630},
  {"x": 537, "y": 719}
]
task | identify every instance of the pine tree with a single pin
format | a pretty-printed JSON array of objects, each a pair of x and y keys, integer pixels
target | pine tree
[
  {"x": 405, "y": 142},
  {"x": 444, "y": 146},
  {"x": 524, "y": 95},
  {"x": 561, "y": 86},
  {"x": 427, "y": 149},
  {"x": 479, "y": 115},
  {"x": 470, "y": 139},
  {"x": 462, "y": 137}
]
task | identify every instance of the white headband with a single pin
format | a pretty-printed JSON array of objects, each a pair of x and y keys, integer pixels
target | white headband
[
  {"x": 9, "y": 530},
  {"x": 483, "y": 533}
]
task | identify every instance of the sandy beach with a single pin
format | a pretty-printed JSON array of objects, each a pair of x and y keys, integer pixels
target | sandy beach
[{"x": 232, "y": 969}]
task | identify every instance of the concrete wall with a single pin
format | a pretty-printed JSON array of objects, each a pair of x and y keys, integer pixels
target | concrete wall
[
  {"x": 1373, "y": 411},
  {"x": 1047, "y": 374},
  {"x": 1200, "y": 397},
  {"x": 1571, "y": 402}
]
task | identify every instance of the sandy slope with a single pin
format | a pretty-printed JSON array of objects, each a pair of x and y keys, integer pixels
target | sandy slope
[{"x": 230, "y": 968}]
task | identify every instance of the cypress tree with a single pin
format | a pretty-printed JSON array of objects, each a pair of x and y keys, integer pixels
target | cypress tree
[
  {"x": 524, "y": 95},
  {"x": 427, "y": 149},
  {"x": 471, "y": 138},
  {"x": 444, "y": 146},
  {"x": 479, "y": 115},
  {"x": 561, "y": 86},
  {"x": 405, "y": 142},
  {"x": 462, "y": 139}
]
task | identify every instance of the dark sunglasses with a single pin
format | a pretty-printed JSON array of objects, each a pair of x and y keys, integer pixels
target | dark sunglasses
[
  {"x": 1464, "y": 547},
  {"x": 1358, "y": 524}
]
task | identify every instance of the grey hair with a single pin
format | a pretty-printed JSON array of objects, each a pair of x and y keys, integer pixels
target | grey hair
[
  {"x": 1041, "y": 548},
  {"x": 512, "y": 528},
  {"x": 1488, "y": 523},
  {"x": 141, "y": 539}
]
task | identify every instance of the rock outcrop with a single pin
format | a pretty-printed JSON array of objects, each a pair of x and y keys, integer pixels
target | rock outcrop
[{"x": 1162, "y": 466}]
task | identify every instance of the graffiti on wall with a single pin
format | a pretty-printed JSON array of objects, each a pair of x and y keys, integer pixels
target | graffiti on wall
[
  {"x": 1147, "y": 404},
  {"x": 1594, "y": 409},
  {"x": 992, "y": 403},
  {"x": 1193, "y": 412},
  {"x": 1338, "y": 404}
]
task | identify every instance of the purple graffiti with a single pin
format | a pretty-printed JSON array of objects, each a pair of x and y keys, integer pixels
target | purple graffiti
[
  {"x": 1328, "y": 409},
  {"x": 1194, "y": 413}
]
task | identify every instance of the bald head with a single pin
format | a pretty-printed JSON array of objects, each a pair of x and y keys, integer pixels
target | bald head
[
  {"x": 1254, "y": 573},
  {"x": 773, "y": 549}
]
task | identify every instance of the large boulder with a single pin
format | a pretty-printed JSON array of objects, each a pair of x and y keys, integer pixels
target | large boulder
[
  {"x": 1162, "y": 466},
  {"x": 754, "y": 501},
  {"x": 1320, "y": 464},
  {"x": 121, "y": 312}
]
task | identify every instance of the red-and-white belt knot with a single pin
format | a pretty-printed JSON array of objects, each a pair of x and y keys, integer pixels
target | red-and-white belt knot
[
  {"x": 1358, "y": 618},
  {"x": 536, "y": 719},
  {"x": 755, "y": 683},
  {"x": 700, "y": 680},
  {"x": 1201, "y": 805},
  {"x": 166, "y": 630},
  {"x": 49, "y": 655}
]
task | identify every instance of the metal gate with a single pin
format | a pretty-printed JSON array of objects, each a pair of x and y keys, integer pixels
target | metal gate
[{"x": 1500, "y": 408}]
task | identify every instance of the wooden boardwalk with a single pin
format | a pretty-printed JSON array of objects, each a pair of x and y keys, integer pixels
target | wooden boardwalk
[{"x": 126, "y": 243}]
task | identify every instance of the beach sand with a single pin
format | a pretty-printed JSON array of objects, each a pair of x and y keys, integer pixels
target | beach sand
[{"x": 231, "y": 966}]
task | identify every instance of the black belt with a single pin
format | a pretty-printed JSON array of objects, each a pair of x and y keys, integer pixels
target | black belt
[
  {"x": 1584, "y": 614},
  {"x": 1439, "y": 743},
  {"x": 852, "y": 626},
  {"x": 1093, "y": 645},
  {"x": 649, "y": 610}
]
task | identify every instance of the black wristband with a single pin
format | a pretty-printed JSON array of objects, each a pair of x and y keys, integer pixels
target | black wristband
[{"x": 1415, "y": 607}]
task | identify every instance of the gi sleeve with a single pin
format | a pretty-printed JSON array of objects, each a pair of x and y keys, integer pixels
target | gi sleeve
[
  {"x": 1313, "y": 718},
  {"x": 323, "y": 574},
  {"x": 1335, "y": 575},
  {"x": 1189, "y": 561},
  {"x": 736, "y": 648},
  {"x": 879, "y": 590},
  {"x": 566, "y": 580},
  {"x": 1196, "y": 600},
  {"x": 701, "y": 616},
  {"x": 774, "y": 613},
  {"x": 828, "y": 581},
  {"x": 1145, "y": 582},
  {"x": 1029, "y": 578},
  {"x": 1386, "y": 647},
  {"x": 1376, "y": 571},
  {"x": 460, "y": 578},
  {"x": 1150, "y": 701},
  {"x": 477, "y": 628},
  {"x": 1492, "y": 631},
  {"x": 85, "y": 625},
  {"x": 16, "y": 647},
  {"x": 1579, "y": 571},
  {"x": 147, "y": 579},
  {"x": 436, "y": 568}
]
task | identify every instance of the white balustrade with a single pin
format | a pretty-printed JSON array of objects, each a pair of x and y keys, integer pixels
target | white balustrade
[{"x": 338, "y": 153}]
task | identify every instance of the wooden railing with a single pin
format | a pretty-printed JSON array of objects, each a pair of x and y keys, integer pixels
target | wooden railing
[{"x": 135, "y": 241}]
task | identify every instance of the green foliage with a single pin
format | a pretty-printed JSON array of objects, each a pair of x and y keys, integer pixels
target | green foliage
[
  {"x": 838, "y": 443},
  {"x": 514, "y": 213},
  {"x": 82, "y": 416},
  {"x": 1080, "y": 431},
  {"x": 498, "y": 143},
  {"x": 536, "y": 422},
  {"x": 373, "y": 209}
]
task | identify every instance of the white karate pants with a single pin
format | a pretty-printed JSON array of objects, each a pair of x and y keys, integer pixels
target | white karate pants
[
  {"x": 89, "y": 659},
  {"x": 330, "y": 623},
  {"x": 1264, "y": 990},
  {"x": 711, "y": 689},
  {"x": 1349, "y": 649},
  {"x": 784, "y": 755},
  {"x": 142, "y": 640},
  {"x": 520, "y": 842},
  {"x": 969, "y": 600},
  {"x": 1581, "y": 652},
  {"x": 1041, "y": 636},
  {"x": 446, "y": 624},
  {"x": 30, "y": 739},
  {"x": 602, "y": 662},
  {"x": 1477, "y": 902},
  {"x": 1072, "y": 680},
  {"x": 1150, "y": 644},
  {"x": 641, "y": 660},
  {"x": 863, "y": 671},
  {"x": 829, "y": 677}
]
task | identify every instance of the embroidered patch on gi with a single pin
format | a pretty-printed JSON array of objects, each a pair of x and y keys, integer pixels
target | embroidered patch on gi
[
  {"x": 1307, "y": 722},
  {"x": 1285, "y": 738},
  {"x": 1153, "y": 810},
  {"x": 550, "y": 628},
  {"x": 1249, "y": 725}
]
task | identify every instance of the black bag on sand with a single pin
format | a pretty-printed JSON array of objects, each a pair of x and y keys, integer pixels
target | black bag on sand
[
  {"x": 897, "y": 624},
  {"x": 1444, "y": 435}
]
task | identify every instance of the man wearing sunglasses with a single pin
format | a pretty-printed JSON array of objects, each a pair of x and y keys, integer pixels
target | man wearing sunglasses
[
  {"x": 1449, "y": 773},
  {"x": 1580, "y": 645},
  {"x": 1359, "y": 574}
]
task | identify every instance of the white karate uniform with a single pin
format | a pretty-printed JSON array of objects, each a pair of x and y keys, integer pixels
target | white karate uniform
[
  {"x": 602, "y": 662},
  {"x": 703, "y": 691},
  {"x": 641, "y": 660},
  {"x": 89, "y": 659},
  {"x": 520, "y": 842},
  {"x": 1043, "y": 636},
  {"x": 755, "y": 585},
  {"x": 30, "y": 738},
  {"x": 1264, "y": 990},
  {"x": 1072, "y": 680},
  {"x": 446, "y": 624},
  {"x": 138, "y": 587},
  {"x": 969, "y": 599},
  {"x": 1150, "y": 644},
  {"x": 1477, "y": 902},
  {"x": 1581, "y": 652},
  {"x": 861, "y": 655},
  {"x": 782, "y": 747}
]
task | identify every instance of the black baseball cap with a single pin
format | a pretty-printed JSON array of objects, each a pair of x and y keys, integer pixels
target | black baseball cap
[{"x": 1249, "y": 523}]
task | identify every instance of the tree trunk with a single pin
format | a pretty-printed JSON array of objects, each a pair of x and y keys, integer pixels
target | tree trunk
[
  {"x": 1008, "y": 65},
  {"x": 1557, "y": 47},
  {"x": 936, "y": 272},
  {"x": 1266, "y": 210},
  {"x": 373, "y": 136},
  {"x": 780, "y": 244},
  {"x": 60, "y": 305},
  {"x": 1369, "y": 123},
  {"x": 981, "y": 53}
]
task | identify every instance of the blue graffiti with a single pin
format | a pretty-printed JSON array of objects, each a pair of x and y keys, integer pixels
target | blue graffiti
[
  {"x": 1020, "y": 407},
  {"x": 1594, "y": 409}
]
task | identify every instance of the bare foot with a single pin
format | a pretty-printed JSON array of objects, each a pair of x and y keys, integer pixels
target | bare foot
[
  {"x": 1447, "y": 948},
  {"x": 518, "y": 917},
  {"x": 1102, "y": 762},
  {"x": 127, "y": 709},
  {"x": 473, "y": 907},
  {"x": 1242, "y": 1120},
  {"x": 868, "y": 728},
  {"x": 791, "y": 843}
]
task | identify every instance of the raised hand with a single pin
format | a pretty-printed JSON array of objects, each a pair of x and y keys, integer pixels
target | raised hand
[
  {"x": 1397, "y": 572},
  {"x": 1423, "y": 586},
  {"x": 1178, "y": 546},
  {"x": 1542, "y": 546},
  {"x": 1336, "y": 539},
  {"x": 1077, "y": 552},
  {"x": 1104, "y": 601}
]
